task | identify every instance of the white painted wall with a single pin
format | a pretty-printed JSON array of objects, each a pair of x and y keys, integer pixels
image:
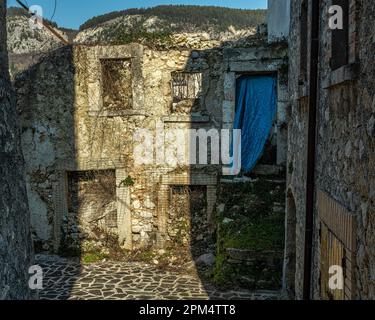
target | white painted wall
[{"x": 278, "y": 19}]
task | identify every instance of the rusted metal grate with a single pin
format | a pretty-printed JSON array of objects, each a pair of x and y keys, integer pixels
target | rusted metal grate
[{"x": 186, "y": 86}]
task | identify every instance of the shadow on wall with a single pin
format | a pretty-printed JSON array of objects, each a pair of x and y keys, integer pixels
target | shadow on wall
[
  {"x": 240, "y": 245},
  {"x": 16, "y": 252},
  {"x": 46, "y": 105},
  {"x": 83, "y": 201}
]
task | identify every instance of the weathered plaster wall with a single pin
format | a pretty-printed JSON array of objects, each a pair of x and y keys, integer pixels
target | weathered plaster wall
[
  {"x": 15, "y": 239},
  {"x": 46, "y": 106},
  {"x": 345, "y": 139}
]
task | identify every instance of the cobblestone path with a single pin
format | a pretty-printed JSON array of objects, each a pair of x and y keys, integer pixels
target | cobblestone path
[{"x": 66, "y": 279}]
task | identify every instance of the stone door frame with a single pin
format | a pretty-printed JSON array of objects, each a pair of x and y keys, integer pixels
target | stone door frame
[
  {"x": 167, "y": 181},
  {"x": 238, "y": 66},
  {"x": 60, "y": 198}
]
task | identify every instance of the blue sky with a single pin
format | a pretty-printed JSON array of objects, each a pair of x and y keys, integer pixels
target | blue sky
[{"x": 72, "y": 13}]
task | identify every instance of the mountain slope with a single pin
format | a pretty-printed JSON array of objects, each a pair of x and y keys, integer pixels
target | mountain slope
[
  {"x": 175, "y": 25},
  {"x": 24, "y": 39},
  {"x": 180, "y": 18},
  {"x": 159, "y": 22}
]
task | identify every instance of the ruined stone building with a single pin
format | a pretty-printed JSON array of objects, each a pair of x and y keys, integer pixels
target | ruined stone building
[
  {"x": 15, "y": 238},
  {"x": 335, "y": 76},
  {"x": 80, "y": 108},
  {"x": 89, "y": 113}
]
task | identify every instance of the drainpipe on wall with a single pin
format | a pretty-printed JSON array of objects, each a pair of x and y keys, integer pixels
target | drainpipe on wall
[{"x": 311, "y": 147}]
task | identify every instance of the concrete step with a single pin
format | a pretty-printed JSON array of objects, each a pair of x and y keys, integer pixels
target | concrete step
[{"x": 268, "y": 170}]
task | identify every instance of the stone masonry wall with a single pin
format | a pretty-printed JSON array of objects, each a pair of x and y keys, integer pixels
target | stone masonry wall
[
  {"x": 15, "y": 240},
  {"x": 297, "y": 141},
  {"x": 345, "y": 139},
  {"x": 67, "y": 128}
]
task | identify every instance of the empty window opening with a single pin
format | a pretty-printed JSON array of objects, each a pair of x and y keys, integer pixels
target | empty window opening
[
  {"x": 117, "y": 84},
  {"x": 340, "y": 38}
]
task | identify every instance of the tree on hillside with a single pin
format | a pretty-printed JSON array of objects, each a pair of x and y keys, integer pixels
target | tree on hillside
[{"x": 183, "y": 14}]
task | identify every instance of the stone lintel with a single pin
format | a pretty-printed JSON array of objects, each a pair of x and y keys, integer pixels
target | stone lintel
[
  {"x": 91, "y": 164},
  {"x": 117, "y": 113},
  {"x": 187, "y": 179},
  {"x": 186, "y": 119}
]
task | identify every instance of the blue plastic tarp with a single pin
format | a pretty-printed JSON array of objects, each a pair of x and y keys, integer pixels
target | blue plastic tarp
[{"x": 255, "y": 114}]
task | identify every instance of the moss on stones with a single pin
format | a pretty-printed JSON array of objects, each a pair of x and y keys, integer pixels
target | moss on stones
[
  {"x": 250, "y": 223},
  {"x": 92, "y": 257}
]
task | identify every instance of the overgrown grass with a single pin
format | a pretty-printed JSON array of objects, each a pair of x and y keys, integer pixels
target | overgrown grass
[
  {"x": 253, "y": 226},
  {"x": 92, "y": 257},
  {"x": 265, "y": 233}
]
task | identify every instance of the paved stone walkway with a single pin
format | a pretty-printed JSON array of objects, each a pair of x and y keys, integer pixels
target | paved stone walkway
[{"x": 68, "y": 280}]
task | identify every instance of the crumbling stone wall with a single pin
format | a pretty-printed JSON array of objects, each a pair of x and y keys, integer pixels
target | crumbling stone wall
[
  {"x": 15, "y": 240},
  {"x": 65, "y": 120},
  {"x": 47, "y": 116},
  {"x": 188, "y": 228},
  {"x": 345, "y": 140}
]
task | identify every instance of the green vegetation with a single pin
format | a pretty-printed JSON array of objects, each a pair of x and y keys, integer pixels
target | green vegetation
[
  {"x": 249, "y": 222},
  {"x": 128, "y": 182},
  {"x": 254, "y": 225},
  {"x": 142, "y": 36},
  {"x": 144, "y": 256},
  {"x": 170, "y": 19},
  {"x": 92, "y": 257},
  {"x": 265, "y": 233},
  {"x": 184, "y": 15}
]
